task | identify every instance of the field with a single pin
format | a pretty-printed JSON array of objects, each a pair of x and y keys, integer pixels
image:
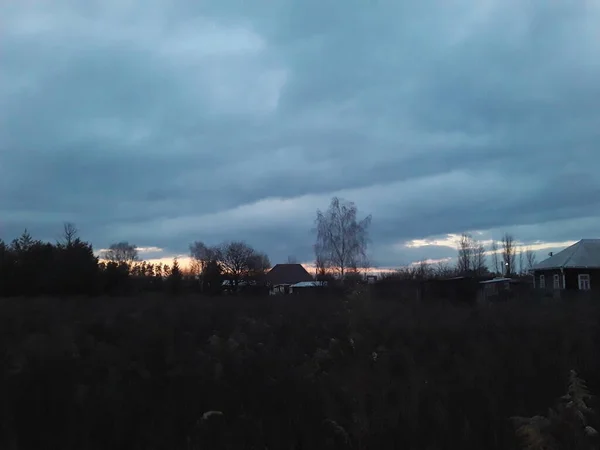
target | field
[{"x": 285, "y": 373}]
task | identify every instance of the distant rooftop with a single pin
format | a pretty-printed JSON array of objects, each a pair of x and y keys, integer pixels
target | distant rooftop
[
  {"x": 288, "y": 274},
  {"x": 581, "y": 255},
  {"x": 496, "y": 280},
  {"x": 310, "y": 284}
]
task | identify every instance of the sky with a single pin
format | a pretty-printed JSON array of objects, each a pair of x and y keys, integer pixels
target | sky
[{"x": 163, "y": 122}]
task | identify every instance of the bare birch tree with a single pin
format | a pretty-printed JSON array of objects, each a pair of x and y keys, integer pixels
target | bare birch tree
[
  {"x": 495, "y": 257},
  {"x": 521, "y": 259},
  {"x": 465, "y": 254},
  {"x": 341, "y": 239},
  {"x": 508, "y": 254},
  {"x": 530, "y": 258},
  {"x": 321, "y": 263},
  {"x": 471, "y": 256},
  {"x": 479, "y": 259}
]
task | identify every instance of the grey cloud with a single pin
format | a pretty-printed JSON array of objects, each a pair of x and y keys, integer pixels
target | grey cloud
[{"x": 163, "y": 123}]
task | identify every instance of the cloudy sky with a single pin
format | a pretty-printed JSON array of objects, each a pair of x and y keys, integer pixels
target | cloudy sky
[{"x": 162, "y": 122}]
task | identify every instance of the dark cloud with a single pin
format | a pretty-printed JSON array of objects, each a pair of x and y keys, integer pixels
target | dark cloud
[{"x": 163, "y": 123}]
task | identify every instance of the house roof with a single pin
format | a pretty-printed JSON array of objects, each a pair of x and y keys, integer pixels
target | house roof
[
  {"x": 581, "y": 255},
  {"x": 497, "y": 280},
  {"x": 309, "y": 284},
  {"x": 288, "y": 274}
]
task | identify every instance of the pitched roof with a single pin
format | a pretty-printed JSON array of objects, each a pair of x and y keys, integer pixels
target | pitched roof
[
  {"x": 581, "y": 255},
  {"x": 288, "y": 274}
]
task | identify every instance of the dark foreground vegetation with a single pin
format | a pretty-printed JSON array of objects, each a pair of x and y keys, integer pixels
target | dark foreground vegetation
[{"x": 289, "y": 373}]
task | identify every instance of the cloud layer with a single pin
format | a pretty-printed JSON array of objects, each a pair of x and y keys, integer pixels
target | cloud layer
[{"x": 165, "y": 122}]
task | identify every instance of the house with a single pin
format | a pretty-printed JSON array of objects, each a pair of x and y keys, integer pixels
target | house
[
  {"x": 496, "y": 288},
  {"x": 502, "y": 288},
  {"x": 307, "y": 287},
  {"x": 575, "y": 268},
  {"x": 282, "y": 276}
]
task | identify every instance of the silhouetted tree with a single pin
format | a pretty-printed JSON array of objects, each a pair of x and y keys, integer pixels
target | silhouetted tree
[
  {"x": 235, "y": 259},
  {"x": 495, "y": 258},
  {"x": 323, "y": 270},
  {"x": 479, "y": 259},
  {"x": 521, "y": 259},
  {"x": 341, "y": 239},
  {"x": 115, "y": 279},
  {"x": 471, "y": 256},
  {"x": 23, "y": 243},
  {"x": 76, "y": 265},
  {"x": 466, "y": 249},
  {"x": 205, "y": 260},
  {"x": 443, "y": 270},
  {"x": 174, "y": 282},
  {"x": 530, "y": 258},
  {"x": 69, "y": 234},
  {"x": 33, "y": 265},
  {"x": 121, "y": 252},
  {"x": 259, "y": 264},
  {"x": 7, "y": 270},
  {"x": 212, "y": 278},
  {"x": 508, "y": 254}
]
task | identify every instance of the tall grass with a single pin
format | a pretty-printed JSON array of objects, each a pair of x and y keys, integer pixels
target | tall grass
[{"x": 290, "y": 373}]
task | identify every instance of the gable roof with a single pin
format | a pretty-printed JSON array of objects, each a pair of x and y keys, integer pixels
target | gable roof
[
  {"x": 581, "y": 255},
  {"x": 288, "y": 274}
]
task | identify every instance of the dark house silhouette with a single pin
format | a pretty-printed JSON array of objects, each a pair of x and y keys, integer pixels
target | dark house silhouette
[{"x": 282, "y": 276}]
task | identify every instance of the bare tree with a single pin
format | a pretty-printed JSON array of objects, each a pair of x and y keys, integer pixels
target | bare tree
[
  {"x": 69, "y": 235},
  {"x": 322, "y": 264},
  {"x": 203, "y": 255},
  {"x": 292, "y": 260},
  {"x": 495, "y": 257},
  {"x": 236, "y": 259},
  {"x": 259, "y": 264},
  {"x": 341, "y": 239},
  {"x": 423, "y": 270},
  {"x": 465, "y": 254},
  {"x": 121, "y": 252},
  {"x": 479, "y": 259},
  {"x": 366, "y": 265},
  {"x": 443, "y": 270},
  {"x": 530, "y": 258},
  {"x": 521, "y": 259},
  {"x": 471, "y": 256},
  {"x": 508, "y": 254}
]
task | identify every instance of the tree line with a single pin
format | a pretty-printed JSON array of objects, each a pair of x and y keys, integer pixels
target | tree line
[
  {"x": 69, "y": 267},
  {"x": 503, "y": 258},
  {"x": 343, "y": 239}
]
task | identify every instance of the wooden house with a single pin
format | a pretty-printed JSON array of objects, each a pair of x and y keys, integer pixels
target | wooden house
[{"x": 576, "y": 268}]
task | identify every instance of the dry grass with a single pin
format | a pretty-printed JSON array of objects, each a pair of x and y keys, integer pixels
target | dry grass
[{"x": 282, "y": 373}]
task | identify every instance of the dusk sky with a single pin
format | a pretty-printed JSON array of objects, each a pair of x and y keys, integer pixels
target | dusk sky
[{"x": 162, "y": 122}]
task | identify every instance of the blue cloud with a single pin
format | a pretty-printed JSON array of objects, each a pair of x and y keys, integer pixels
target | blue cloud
[{"x": 164, "y": 123}]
